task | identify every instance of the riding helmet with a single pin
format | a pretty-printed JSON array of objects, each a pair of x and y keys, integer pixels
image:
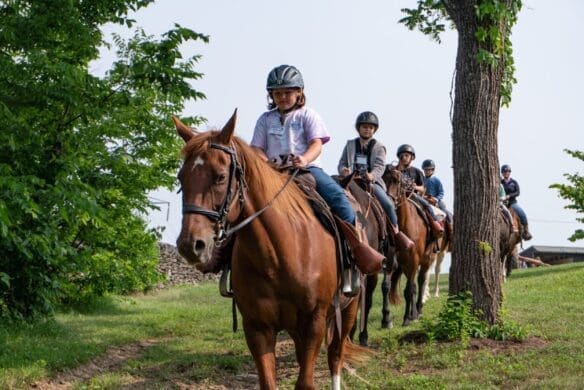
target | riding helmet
[
  {"x": 428, "y": 164},
  {"x": 505, "y": 168},
  {"x": 284, "y": 76},
  {"x": 405, "y": 148},
  {"x": 367, "y": 117}
]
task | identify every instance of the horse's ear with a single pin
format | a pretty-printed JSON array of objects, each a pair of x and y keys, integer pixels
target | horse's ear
[
  {"x": 183, "y": 130},
  {"x": 345, "y": 181},
  {"x": 227, "y": 132}
]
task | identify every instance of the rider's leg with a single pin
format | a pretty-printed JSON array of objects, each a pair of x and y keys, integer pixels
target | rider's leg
[
  {"x": 442, "y": 206},
  {"x": 523, "y": 218},
  {"x": 401, "y": 240},
  {"x": 437, "y": 229},
  {"x": 337, "y": 200}
]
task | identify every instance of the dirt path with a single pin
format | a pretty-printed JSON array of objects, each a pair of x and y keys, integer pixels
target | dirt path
[
  {"x": 111, "y": 361},
  {"x": 114, "y": 359}
]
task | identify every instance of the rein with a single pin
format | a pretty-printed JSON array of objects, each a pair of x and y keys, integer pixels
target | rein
[{"x": 236, "y": 173}]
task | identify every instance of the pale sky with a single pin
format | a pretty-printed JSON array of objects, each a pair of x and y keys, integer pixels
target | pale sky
[{"x": 354, "y": 56}]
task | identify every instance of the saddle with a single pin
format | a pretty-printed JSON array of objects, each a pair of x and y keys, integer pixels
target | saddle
[{"x": 373, "y": 206}]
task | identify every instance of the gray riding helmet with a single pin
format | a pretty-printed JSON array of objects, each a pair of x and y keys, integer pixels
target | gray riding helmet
[
  {"x": 284, "y": 76},
  {"x": 428, "y": 164},
  {"x": 367, "y": 117},
  {"x": 405, "y": 148}
]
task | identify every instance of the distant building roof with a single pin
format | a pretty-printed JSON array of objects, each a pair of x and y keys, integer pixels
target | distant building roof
[{"x": 535, "y": 250}]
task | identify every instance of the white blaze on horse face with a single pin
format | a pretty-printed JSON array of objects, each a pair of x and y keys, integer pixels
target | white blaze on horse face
[{"x": 198, "y": 161}]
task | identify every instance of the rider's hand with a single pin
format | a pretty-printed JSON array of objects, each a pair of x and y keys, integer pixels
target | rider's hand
[
  {"x": 299, "y": 161},
  {"x": 345, "y": 171},
  {"x": 369, "y": 176}
]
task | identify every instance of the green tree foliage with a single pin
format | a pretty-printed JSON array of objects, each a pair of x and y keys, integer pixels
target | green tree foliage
[
  {"x": 496, "y": 18},
  {"x": 79, "y": 153},
  {"x": 574, "y": 192}
]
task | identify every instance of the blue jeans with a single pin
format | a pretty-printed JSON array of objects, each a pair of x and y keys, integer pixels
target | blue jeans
[
  {"x": 442, "y": 206},
  {"x": 333, "y": 195},
  {"x": 520, "y": 213},
  {"x": 386, "y": 202}
]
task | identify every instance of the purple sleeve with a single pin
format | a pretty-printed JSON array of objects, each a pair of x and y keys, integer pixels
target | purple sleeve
[
  {"x": 259, "y": 133},
  {"x": 315, "y": 128}
]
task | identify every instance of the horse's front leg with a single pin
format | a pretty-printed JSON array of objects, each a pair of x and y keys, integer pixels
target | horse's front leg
[
  {"x": 386, "y": 322},
  {"x": 370, "y": 284},
  {"x": 308, "y": 337},
  {"x": 425, "y": 289},
  {"x": 261, "y": 341},
  {"x": 422, "y": 281},
  {"x": 437, "y": 267},
  {"x": 411, "y": 313},
  {"x": 336, "y": 349}
]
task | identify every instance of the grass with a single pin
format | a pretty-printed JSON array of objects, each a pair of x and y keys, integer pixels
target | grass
[{"x": 187, "y": 341}]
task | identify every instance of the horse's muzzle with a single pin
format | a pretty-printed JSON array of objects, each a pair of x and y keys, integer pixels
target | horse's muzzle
[{"x": 195, "y": 250}]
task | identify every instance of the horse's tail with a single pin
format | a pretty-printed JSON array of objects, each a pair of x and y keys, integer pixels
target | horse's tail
[
  {"x": 394, "y": 297},
  {"x": 356, "y": 354}
]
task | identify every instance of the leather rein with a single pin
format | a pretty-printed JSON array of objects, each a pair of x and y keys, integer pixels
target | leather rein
[{"x": 236, "y": 173}]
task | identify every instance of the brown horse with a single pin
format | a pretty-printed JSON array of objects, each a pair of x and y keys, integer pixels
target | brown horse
[
  {"x": 508, "y": 241},
  {"x": 284, "y": 263},
  {"x": 418, "y": 259},
  {"x": 377, "y": 237}
]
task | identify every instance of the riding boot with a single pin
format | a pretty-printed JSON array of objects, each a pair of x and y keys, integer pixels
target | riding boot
[
  {"x": 526, "y": 235},
  {"x": 435, "y": 226},
  {"x": 221, "y": 256},
  {"x": 367, "y": 259},
  {"x": 402, "y": 242}
]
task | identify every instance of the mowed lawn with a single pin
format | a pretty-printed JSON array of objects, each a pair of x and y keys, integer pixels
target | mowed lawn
[{"x": 181, "y": 337}]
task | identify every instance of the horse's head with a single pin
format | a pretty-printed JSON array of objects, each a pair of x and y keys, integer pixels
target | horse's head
[
  {"x": 392, "y": 178},
  {"x": 209, "y": 183}
]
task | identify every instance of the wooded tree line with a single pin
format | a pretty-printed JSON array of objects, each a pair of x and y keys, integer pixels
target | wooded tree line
[{"x": 79, "y": 152}]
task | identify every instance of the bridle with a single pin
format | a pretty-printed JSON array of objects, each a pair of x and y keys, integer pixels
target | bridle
[{"x": 236, "y": 173}]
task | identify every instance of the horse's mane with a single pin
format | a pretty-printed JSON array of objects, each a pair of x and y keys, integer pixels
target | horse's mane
[{"x": 261, "y": 179}]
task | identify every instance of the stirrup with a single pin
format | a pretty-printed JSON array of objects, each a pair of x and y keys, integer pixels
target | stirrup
[
  {"x": 351, "y": 282},
  {"x": 225, "y": 291}
]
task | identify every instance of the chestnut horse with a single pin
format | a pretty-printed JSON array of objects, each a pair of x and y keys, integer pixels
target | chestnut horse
[
  {"x": 284, "y": 262},
  {"x": 444, "y": 246},
  {"x": 418, "y": 259}
]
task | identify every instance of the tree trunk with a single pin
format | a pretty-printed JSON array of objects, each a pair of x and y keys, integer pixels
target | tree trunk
[{"x": 476, "y": 264}]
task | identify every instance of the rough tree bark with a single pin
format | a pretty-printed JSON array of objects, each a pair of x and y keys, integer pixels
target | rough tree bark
[{"x": 475, "y": 257}]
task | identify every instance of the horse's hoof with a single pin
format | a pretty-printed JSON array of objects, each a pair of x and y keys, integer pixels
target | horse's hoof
[
  {"x": 407, "y": 323},
  {"x": 386, "y": 324}
]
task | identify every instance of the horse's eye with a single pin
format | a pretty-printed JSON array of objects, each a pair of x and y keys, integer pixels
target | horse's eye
[{"x": 220, "y": 179}]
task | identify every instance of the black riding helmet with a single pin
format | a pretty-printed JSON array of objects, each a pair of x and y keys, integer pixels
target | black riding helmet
[
  {"x": 405, "y": 148},
  {"x": 428, "y": 164},
  {"x": 367, "y": 117},
  {"x": 284, "y": 76},
  {"x": 505, "y": 168}
]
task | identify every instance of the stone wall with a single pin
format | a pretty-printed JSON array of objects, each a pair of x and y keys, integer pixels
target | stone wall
[{"x": 176, "y": 268}]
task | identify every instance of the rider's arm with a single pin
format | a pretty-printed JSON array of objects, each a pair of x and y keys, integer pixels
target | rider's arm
[
  {"x": 313, "y": 151},
  {"x": 378, "y": 163},
  {"x": 343, "y": 167},
  {"x": 440, "y": 194}
]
